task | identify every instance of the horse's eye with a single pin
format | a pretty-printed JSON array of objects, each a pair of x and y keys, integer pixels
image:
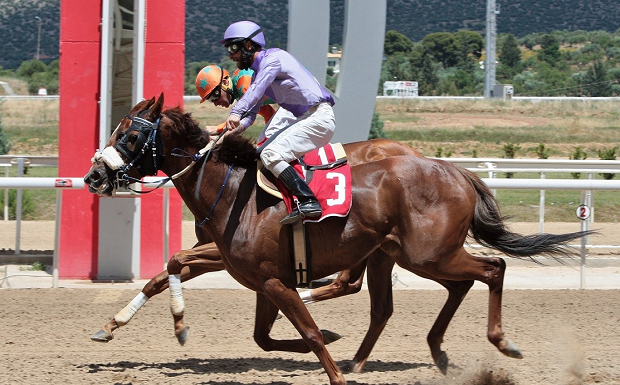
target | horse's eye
[{"x": 131, "y": 142}]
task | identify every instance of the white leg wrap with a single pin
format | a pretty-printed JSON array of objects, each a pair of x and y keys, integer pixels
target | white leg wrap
[
  {"x": 306, "y": 296},
  {"x": 177, "y": 305},
  {"x": 124, "y": 316}
]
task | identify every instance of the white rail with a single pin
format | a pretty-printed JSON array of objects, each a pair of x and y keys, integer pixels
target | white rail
[
  {"x": 515, "y": 98},
  {"x": 41, "y": 183},
  {"x": 551, "y": 184},
  {"x": 489, "y": 165}
]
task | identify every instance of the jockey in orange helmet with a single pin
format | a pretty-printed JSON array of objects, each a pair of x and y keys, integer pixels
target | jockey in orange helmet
[{"x": 214, "y": 84}]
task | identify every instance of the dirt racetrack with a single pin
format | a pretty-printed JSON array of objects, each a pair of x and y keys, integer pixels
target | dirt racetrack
[{"x": 568, "y": 337}]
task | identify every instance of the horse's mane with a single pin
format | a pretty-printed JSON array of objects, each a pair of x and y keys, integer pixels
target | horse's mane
[
  {"x": 237, "y": 149},
  {"x": 232, "y": 148},
  {"x": 185, "y": 126}
]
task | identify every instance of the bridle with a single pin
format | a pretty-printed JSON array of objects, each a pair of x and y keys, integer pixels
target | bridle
[
  {"x": 147, "y": 156},
  {"x": 146, "y": 153}
]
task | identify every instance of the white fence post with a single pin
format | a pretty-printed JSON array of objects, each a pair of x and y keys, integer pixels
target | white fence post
[
  {"x": 541, "y": 208},
  {"x": 18, "y": 207},
  {"x": 6, "y": 196},
  {"x": 56, "y": 239}
]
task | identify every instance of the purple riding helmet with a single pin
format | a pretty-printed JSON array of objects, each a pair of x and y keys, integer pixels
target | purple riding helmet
[{"x": 237, "y": 33}]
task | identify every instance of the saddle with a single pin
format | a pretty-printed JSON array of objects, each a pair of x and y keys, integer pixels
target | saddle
[{"x": 329, "y": 176}]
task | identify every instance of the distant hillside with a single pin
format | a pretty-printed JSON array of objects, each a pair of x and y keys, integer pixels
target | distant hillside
[{"x": 207, "y": 20}]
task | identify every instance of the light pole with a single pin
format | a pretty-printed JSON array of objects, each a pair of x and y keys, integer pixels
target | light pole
[{"x": 38, "y": 35}]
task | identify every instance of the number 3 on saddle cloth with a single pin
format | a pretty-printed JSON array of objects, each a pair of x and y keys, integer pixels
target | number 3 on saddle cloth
[{"x": 328, "y": 175}]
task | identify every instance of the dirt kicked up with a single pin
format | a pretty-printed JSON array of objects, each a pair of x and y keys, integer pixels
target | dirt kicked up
[{"x": 567, "y": 337}]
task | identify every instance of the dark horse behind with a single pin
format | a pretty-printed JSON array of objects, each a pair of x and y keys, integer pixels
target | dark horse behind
[{"x": 409, "y": 210}]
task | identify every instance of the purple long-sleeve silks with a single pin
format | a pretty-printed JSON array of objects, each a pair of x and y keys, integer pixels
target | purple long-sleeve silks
[{"x": 278, "y": 75}]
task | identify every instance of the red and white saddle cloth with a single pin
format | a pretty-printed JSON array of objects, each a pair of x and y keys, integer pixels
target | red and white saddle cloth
[{"x": 331, "y": 186}]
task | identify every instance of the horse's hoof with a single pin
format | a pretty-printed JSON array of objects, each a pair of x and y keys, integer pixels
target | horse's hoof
[
  {"x": 183, "y": 335},
  {"x": 102, "y": 336},
  {"x": 358, "y": 367},
  {"x": 329, "y": 336},
  {"x": 442, "y": 362},
  {"x": 510, "y": 349}
]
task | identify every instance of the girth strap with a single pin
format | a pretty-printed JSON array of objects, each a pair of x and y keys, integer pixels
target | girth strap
[{"x": 301, "y": 255}]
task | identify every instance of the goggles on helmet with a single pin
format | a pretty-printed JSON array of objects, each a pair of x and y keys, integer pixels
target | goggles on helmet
[{"x": 233, "y": 48}]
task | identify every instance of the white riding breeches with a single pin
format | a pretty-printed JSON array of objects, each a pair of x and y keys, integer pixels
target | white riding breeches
[{"x": 312, "y": 130}]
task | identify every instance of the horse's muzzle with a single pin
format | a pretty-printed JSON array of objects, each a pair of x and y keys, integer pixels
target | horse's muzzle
[{"x": 98, "y": 183}]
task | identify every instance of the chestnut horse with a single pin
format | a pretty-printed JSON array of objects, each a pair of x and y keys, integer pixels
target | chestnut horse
[
  {"x": 413, "y": 211},
  {"x": 205, "y": 257}
]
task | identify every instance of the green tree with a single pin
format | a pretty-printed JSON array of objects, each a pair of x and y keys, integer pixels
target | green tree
[
  {"x": 47, "y": 80},
  {"x": 470, "y": 45},
  {"x": 396, "y": 42},
  {"x": 510, "y": 54},
  {"x": 28, "y": 68},
  {"x": 427, "y": 79},
  {"x": 550, "y": 49},
  {"x": 398, "y": 67},
  {"x": 443, "y": 47},
  {"x": 38, "y": 75},
  {"x": 596, "y": 82}
]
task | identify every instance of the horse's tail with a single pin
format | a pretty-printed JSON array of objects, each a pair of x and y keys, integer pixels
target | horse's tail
[{"x": 488, "y": 228}]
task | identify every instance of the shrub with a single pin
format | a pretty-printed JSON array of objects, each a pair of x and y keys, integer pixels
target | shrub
[
  {"x": 37, "y": 266},
  {"x": 440, "y": 154},
  {"x": 28, "y": 204},
  {"x": 608, "y": 154},
  {"x": 5, "y": 146},
  {"x": 510, "y": 150},
  {"x": 541, "y": 151},
  {"x": 376, "y": 127},
  {"x": 578, "y": 154}
]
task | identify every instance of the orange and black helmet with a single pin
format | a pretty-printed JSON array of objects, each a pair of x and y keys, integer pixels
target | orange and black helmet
[{"x": 209, "y": 82}]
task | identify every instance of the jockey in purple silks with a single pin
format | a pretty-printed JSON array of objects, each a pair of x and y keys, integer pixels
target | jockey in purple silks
[{"x": 305, "y": 117}]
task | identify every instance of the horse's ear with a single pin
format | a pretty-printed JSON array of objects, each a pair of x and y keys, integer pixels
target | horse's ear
[
  {"x": 149, "y": 103},
  {"x": 156, "y": 108}
]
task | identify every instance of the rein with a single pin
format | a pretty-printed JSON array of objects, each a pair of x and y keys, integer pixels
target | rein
[{"x": 219, "y": 196}]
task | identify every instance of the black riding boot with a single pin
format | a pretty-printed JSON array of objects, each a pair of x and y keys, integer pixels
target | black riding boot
[{"x": 308, "y": 205}]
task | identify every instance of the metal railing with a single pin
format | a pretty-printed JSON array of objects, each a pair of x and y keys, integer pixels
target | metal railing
[
  {"x": 44, "y": 183},
  {"x": 422, "y": 97},
  {"x": 489, "y": 166},
  {"x": 22, "y": 161}
]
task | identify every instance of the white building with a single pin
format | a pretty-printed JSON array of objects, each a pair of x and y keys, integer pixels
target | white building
[
  {"x": 400, "y": 89},
  {"x": 333, "y": 59}
]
